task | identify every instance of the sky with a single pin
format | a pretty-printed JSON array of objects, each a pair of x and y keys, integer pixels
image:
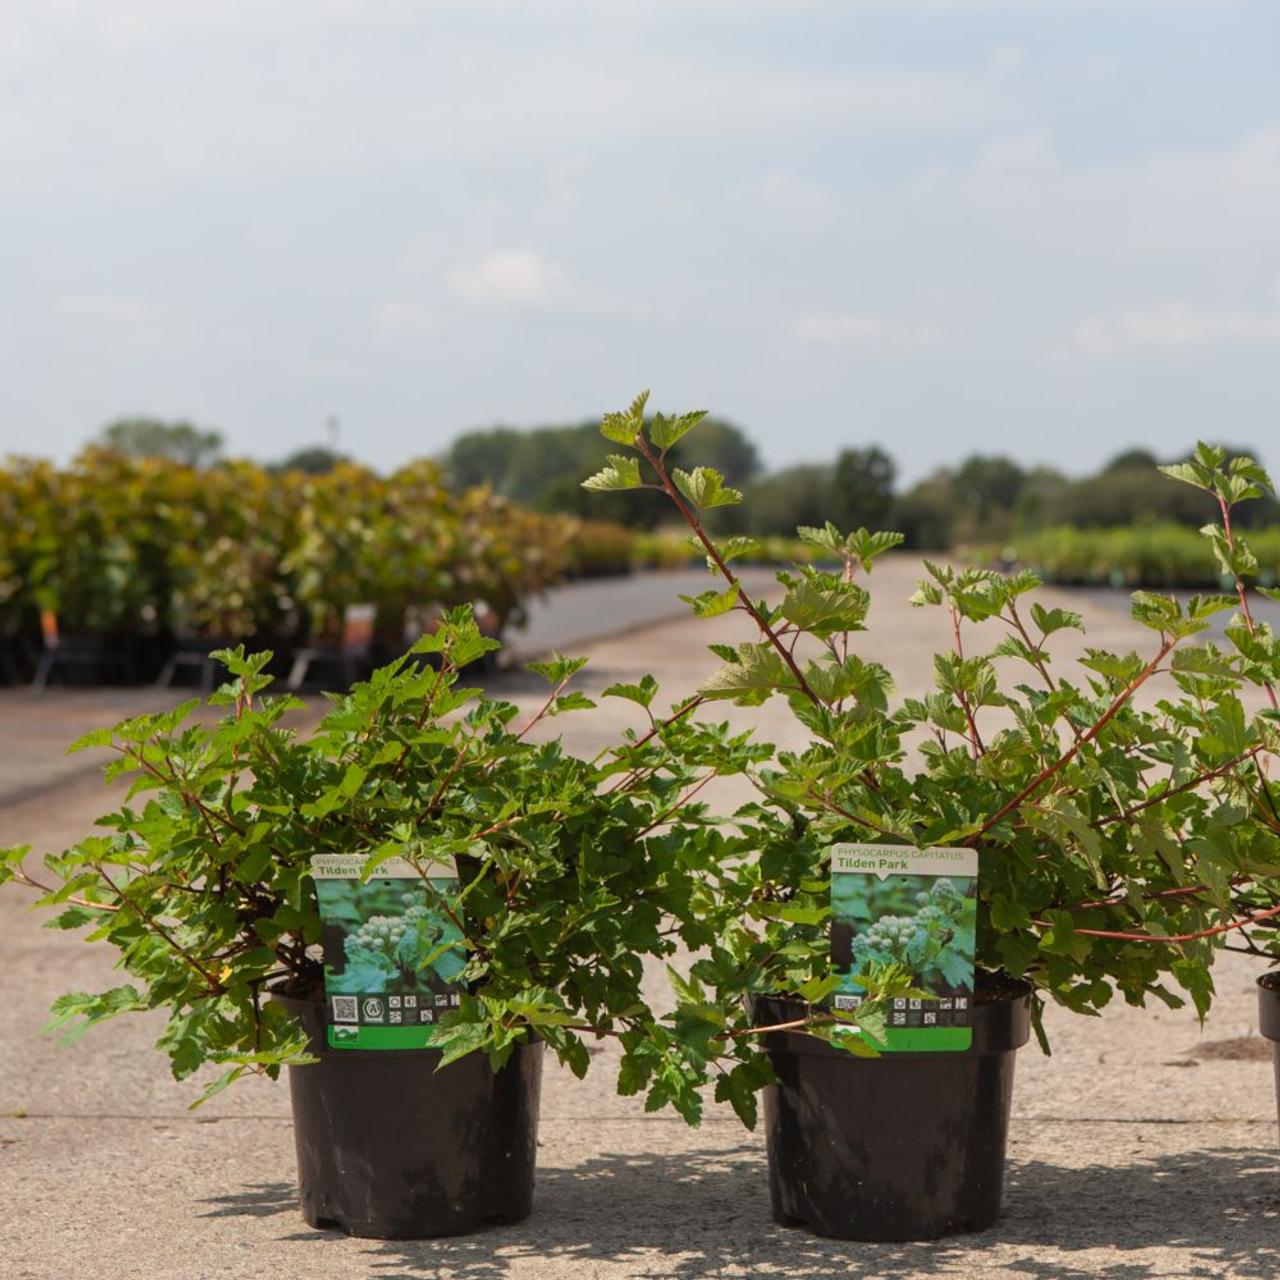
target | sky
[{"x": 1049, "y": 228}]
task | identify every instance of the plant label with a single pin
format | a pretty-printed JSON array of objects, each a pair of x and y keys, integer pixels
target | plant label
[
  {"x": 903, "y": 918},
  {"x": 392, "y": 954}
]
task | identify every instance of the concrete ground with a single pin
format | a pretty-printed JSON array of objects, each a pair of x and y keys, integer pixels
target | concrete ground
[{"x": 1146, "y": 1146}]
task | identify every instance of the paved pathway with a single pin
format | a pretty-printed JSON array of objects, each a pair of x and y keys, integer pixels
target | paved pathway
[{"x": 1144, "y": 1147}]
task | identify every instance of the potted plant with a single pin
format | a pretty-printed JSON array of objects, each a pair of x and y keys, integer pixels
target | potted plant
[
  {"x": 536, "y": 883},
  {"x": 1103, "y": 834},
  {"x": 1249, "y": 795}
]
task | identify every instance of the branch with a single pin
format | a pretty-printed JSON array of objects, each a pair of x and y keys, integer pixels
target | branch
[
  {"x": 546, "y": 706},
  {"x": 1242, "y": 592},
  {"x": 1206, "y": 776},
  {"x": 679, "y": 804},
  {"x": 159, "y": 930},
  {"x": 1107, "y": 716},
  {"x": 1120, "y": 936},
  {"x": 696, "y": 525}
]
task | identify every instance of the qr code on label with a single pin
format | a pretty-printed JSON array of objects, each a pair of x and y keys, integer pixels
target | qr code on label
[{"x": 346, "y": 1009}]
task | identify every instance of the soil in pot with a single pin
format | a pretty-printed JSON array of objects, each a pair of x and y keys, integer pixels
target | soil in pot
[
  {"x": 907, "y": 1146},
  {"x": 392, "y": 1149}
]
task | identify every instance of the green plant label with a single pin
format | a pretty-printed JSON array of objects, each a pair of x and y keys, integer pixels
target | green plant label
[
  {"x": 392, "y": 955},
  {"x": 902, "y": 920}
]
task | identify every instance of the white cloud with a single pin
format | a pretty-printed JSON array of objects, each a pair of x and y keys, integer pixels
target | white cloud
[
  {"x": 107, "y": 310},
  {"x": 512, "y": 278},
  {"x": 523, "y": 280},
  {"x": 1174, "y": 326},
  {"x": 1023, "y": 155},
  {"x": 865, "y": 330},
  {"x": 1006, "y": 57},
  {"x": 117, "y": 325},
  {"x": 409, "y": 319}
]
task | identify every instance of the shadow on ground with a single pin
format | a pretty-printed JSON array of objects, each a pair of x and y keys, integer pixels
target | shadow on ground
[{"x": 690, "y": 1216}]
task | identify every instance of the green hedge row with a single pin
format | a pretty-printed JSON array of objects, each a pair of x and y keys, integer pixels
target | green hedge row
[
  {"x": 1145, "y": 555},
  {"x": 115, "y": 545}
]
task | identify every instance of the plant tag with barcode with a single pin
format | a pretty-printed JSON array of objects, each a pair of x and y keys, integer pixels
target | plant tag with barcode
[
  {"x": 895, "y": 908},
  {"x": 392, "y": 954}
]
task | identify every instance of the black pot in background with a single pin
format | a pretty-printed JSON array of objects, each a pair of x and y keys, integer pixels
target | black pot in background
[
  {"x": 907, "y": 1146},
  {"x": 1269, "y": 1017},
  {"x": 391, "y": 1149}
]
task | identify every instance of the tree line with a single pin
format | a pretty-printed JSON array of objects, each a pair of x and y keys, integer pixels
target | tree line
[{"x": 982, "y": 498}]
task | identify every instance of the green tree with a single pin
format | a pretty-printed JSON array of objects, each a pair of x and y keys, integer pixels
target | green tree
[
  {"x": 787, "y": 499},
  {"x": 926, "y": 515},
  {"x": 543, "y": 467},
  {"x": 862, "y": 488},
  {"x": 312, "y": 459},
  {"x": 1131, "y": 460},
  {"x": 983, "y": 484},
  {"x": 177, "y": 441}
]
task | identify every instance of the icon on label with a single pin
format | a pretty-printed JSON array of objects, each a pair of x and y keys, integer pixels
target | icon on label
[
  {"x": 411, "y": 1002},
  {"x": 394, "y": 1001},
  {"x": 373, "y": 1011},
  {"x": 395, "y": 1016},
  {"x": 347, "y": 1032},
  {"x": 426, "y": 1015}
]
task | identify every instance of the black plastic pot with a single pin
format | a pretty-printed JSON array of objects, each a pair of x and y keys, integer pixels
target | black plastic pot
[
  {"x": 391, "y": 1149},
  {"x": 907, "y": 1146},
  {"x": 1269, "y": 1018}
]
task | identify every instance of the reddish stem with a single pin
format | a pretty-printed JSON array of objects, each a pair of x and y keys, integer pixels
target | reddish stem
[{"x": 1063, "y": 760}]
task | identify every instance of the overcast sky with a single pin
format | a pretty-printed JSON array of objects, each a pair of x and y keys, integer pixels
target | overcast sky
[{"x": 1051, "y": 228}]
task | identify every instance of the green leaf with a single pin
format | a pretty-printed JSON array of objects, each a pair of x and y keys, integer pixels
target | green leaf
[
  {"x": 729, "y": 549},
  {"x": 867, "y": 547},
  {"x": 664, "y": 431},
  {"x": 557, "y": 668},
  {"x": 571, "y": 702},
  {"x": 756, "y": 672},
  {"x": 621, "y": 473},
  {"x": 94, "y": 738},
  {"x": 623, "y": 428},
  {"x": 825, "y": 610},
  {"x": 1051, "y": 620},
  {"x": 710, "y": 604},
  {"x": 634, "y": 1073},
  {"x": 1188, "y": 473},
  {"x": 642, "y": 693},
  {"x": 458, "y": 1039},
  {"x": 705, "y": 488}
]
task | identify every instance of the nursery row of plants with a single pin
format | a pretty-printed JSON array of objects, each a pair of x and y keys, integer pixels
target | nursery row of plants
[
  {"x": 118, "y": 546},
  {"x": 410, "y": 905},
  {"x": 126, "y": 547},
  {"x": 1157, "y": 554}
]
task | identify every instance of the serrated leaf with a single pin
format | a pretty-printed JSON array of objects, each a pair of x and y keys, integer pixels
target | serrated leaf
[
  {"x": 621, "y": 473},
  {"x": 705, "y": 488},
  {"x": 755, "y": 673},
  {"x": 557, "y": 668},
  {"x": 729, "y": 549},
  {"x": 710, "y": 604},
  {"x": 623, "y": 428},
  {"x": 665, "y": 431},
  {"x": 642, "y": 693}
]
